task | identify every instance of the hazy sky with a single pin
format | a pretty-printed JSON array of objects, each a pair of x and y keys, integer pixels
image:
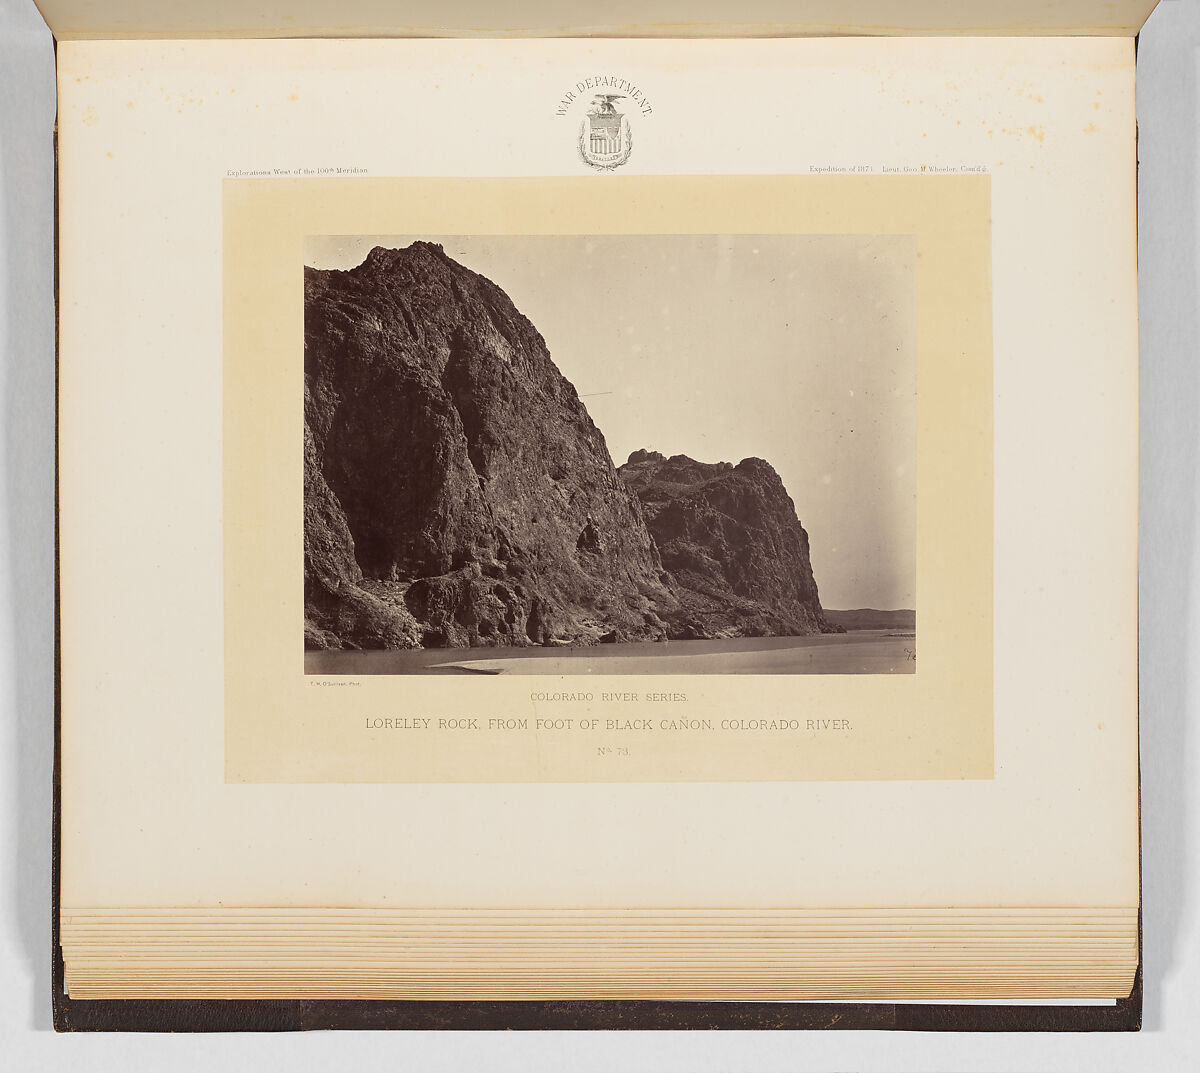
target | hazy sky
[{"x": 800, "y": 349}]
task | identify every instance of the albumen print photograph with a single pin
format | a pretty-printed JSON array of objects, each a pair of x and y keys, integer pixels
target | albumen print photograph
[{"x": 616, "y": 454}]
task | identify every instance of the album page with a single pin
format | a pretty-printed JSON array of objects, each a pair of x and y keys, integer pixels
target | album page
[
  {"x": 598, "y": 474},
  {"x": 126, "y": 19}
]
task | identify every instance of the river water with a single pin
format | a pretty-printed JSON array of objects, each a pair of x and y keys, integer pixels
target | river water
[{"x": 856, "y": 652}]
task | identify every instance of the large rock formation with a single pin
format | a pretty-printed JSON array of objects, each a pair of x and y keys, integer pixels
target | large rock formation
[
  {"x": 736, "y": 552},
  {"x": 456, "y": 491}
]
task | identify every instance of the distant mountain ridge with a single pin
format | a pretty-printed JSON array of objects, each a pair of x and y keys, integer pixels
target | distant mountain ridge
[{"x": 869, "y": 618}]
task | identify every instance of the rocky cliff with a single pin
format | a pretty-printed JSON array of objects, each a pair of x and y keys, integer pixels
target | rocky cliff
[
  {"x": 736, "y": 552},
  {"x": 456, "y": 492}
]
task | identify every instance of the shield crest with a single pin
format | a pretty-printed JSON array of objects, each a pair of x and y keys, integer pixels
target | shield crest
[{"x": 605, "y": 140}]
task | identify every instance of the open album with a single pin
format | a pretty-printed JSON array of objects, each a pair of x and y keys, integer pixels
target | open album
[{"x": 598, "y": 518}]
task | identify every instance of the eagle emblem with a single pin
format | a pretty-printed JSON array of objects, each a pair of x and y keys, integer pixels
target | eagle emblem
[{"x": 605, "y": 140}]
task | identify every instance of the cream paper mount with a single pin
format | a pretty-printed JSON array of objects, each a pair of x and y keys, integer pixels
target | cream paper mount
[{"x": 284, "y": 726}]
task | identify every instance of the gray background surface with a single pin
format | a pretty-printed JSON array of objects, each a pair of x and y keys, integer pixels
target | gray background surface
[{"x": 1169, "y": 113}]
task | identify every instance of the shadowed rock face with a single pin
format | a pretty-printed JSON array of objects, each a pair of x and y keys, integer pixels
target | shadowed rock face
[
  {"x": 736, "y": 552},
  {"x": 456, "y": 491}
]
